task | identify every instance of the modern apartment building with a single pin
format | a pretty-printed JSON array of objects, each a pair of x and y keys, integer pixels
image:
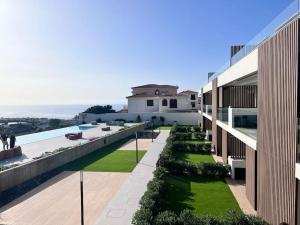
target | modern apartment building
[{"x": 251, "y": 108}]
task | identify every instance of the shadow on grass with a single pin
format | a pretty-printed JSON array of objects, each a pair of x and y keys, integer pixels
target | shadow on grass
[
  {"x": 81, "y": 163},
  {"x": 179, "y": 195}
]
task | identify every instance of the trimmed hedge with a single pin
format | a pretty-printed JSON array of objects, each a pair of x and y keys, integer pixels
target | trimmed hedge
[
  {"x": 187, "y": 218},
  {"x": 181, "y": 136},
  {"x": 214, "y": 169},
  {"x": 150, "y": 204},
  {"x": 190, "y": 147}
]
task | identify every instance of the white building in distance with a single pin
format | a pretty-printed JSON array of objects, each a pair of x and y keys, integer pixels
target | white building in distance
[{"x": 161, "y": 98}]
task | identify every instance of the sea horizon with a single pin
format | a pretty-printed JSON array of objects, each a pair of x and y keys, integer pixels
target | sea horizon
[{"x": 58, "y": 111}]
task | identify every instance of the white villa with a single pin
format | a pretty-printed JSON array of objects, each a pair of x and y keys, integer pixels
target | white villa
[{"x": 161, "y": 98}]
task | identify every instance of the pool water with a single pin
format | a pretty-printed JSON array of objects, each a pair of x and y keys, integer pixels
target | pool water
[{"x": 30, "y": 138}]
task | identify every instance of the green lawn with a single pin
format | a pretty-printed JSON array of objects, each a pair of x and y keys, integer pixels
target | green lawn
[
  {"x": 202, "y": 195},
  {"x": 163, "y": 128},
  {"x": 194, "y": 157},
  {"x": 107, "y": 159}
]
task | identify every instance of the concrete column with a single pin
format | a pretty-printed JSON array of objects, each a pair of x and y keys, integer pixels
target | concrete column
[{"x": 214, "y": 109}]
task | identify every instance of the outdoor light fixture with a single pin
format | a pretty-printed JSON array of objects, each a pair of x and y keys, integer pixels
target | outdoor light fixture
[{"x": 81, "y": 197}]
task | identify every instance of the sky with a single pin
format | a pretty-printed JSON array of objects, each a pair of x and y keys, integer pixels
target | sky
[{"x": 94, "y": 51}]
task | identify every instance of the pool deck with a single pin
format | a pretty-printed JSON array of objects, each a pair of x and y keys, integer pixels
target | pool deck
[
  {"x": 36, "y": 149},
  {"x": 57, "y": 201}
]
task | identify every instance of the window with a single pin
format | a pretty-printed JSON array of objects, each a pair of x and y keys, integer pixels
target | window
[
  {"x": 150, "y": 103},
  {"x": 157, "y": 92},
  {"x": 164, "y": 102},
  {"x": 193, "y": 97},
  {"x": 193, "y": 104},
  {"x": 173, "y": 103}
]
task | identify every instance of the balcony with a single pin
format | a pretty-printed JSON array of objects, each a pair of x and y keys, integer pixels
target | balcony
[
  {"x": 241, "y": 119},
  {"x": 222, "y": 115},
  {"x": 207, "y": 109}
]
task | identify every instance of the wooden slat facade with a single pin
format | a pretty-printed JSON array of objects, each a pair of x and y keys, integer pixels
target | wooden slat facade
[
  {"x": 207, "y": 98},
  {"x": 206, "y": 124},
  {"x": 236, "y": 148},
  {"x": 277, "y": 123},
  {"x": 219, "y": 141},
  {"x": 240, "y": 96},
  {"x": 251, "y": 176},
  {"x": 214, "y": 109},
  {"x": 224, "y": 146}
]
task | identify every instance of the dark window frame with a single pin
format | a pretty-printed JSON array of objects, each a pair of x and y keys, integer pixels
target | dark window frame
[
  {"x": 193, "y": 97},
  {"x": 148, "y": 101},
  {"x": 164, "y": 102},
  {"x": 173, "y": 103}
]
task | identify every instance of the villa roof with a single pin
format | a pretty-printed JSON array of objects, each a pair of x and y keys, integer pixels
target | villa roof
[
  {"x": 156, "y": 86},
  {"x": 142, "y": 95},
  {"x": 188, "y": 92}
]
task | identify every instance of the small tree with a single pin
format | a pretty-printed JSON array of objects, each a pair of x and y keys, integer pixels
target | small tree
[
  {"x": 54, "y": 123},
  {"x": 153, "y": 118},
  {"x": 162, "y": 120},
  {"x": 99, "y": 109},
  {"x": 138, "y": 119}
]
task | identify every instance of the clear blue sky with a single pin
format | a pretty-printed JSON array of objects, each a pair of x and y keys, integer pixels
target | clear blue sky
[{"x": 93, "y": 51}]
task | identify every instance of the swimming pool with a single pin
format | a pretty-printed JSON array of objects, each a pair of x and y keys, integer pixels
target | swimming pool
[{"x": 30, "y": 138}]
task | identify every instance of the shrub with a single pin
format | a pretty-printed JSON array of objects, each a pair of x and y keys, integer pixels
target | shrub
[
  {"x": 235, "y": 218},
  {"x": 181, "y": 168},
  {"x": 179, "y": 129},
  {"x": 214, "y": 169},
  {"x": 196, "y": 129},
  {"x": 166, "y": 218},
  {"x": 138, "y": 119},
  {"x": 181, "y": 136},
  {"x": 190, "y": 147},
  {"x": 200, "y": 136}
]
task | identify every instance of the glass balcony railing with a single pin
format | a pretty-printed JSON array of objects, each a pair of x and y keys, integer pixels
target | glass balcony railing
[
  {"x": 244, "y": 118},
  {"x": 207, "y": 109},
  {"x": 222, "y": 115},
  {"x": 286, "y": 15}
]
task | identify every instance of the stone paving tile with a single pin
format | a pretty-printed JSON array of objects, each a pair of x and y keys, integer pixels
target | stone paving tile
[{"x": 124, "y": 204}]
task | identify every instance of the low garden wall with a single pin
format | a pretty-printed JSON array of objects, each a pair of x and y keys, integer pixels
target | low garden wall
[
  {"x": 181, "y": 118},
  {"x": 17, "y": 175}
]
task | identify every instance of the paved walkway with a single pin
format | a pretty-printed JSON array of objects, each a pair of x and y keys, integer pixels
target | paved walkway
[
  {"x": 125, "y": 203},
  {"x": 143, "y": 144},
  {"x": 57, "y": 201}
]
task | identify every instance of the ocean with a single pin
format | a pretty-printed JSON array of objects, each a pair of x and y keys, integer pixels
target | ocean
[{"x": 46, "y": 111}]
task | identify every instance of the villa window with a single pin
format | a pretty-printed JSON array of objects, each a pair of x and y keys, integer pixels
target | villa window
[
  {"x": 150, "y": 102},
  {"x": 193, "y": 104},
  {"x": 164, "y": 102},
  {"x": 193, "y": 97},
  {"x": 173, "y": 103},
  {"x": 157, "y": 92}
]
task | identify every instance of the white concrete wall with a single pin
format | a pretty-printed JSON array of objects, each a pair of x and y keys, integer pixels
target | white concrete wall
[
  {"x": 181, "y": 118},
  {"x": 246, "y": 66},
  {"x": 139, "y": 105}
]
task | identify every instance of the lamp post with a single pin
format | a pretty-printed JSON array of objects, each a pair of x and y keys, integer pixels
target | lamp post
[
  {"x": 136, "y": 147},
  {"x": 81, "y": 197},
  {"x": 152, "y": 131}
]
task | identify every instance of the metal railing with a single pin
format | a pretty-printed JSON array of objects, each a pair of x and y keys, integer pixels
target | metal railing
[{"x": 285, "y": 16}]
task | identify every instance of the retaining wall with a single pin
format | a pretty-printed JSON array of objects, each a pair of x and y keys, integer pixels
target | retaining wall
[
  {"x": 182, "y": 118},
  {"x": 17, "y": 175}
]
